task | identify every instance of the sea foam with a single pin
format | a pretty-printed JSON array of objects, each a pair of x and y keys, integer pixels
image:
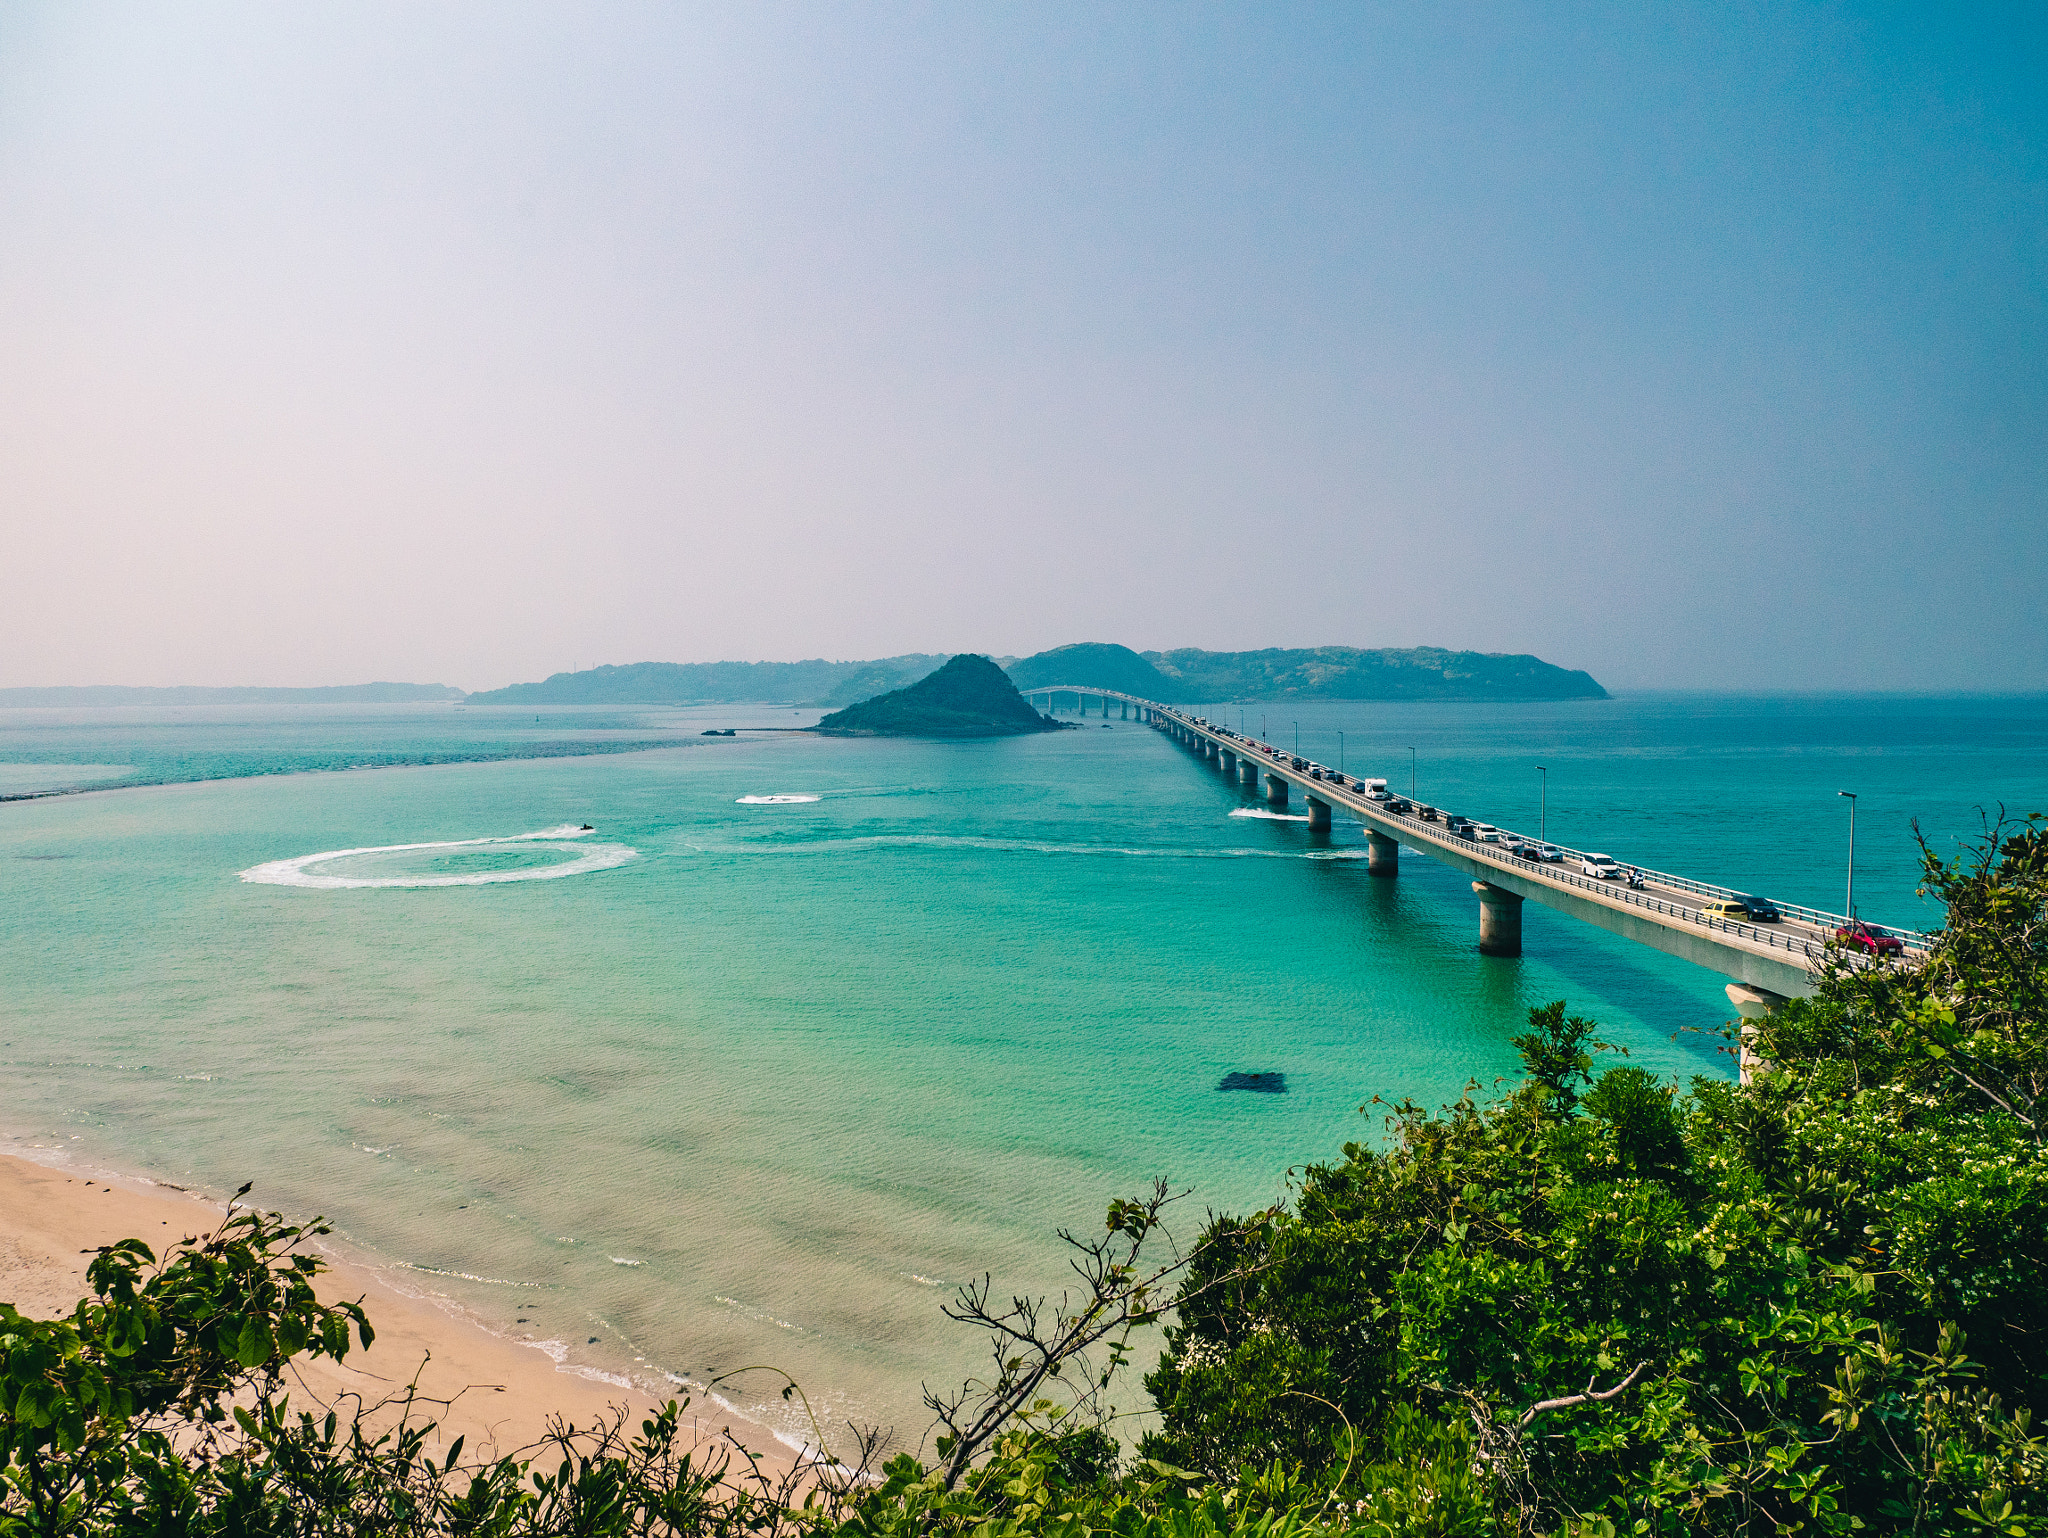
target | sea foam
[
  {"x": 774, "y": 800},
  {"x": 300, "y": 871}
]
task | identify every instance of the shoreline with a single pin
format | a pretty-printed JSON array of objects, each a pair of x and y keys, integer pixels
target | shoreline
[
  {"x": 578, "y": 750},
  {"x": 500, "y": 1392}
]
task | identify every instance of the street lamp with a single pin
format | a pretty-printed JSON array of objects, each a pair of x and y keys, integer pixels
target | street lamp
[
  {"x": 1297, "y": 739},
  {"x": 1340, "y": 752},
  {"x": 1849, "y": 900},
  {"x": 1543, "y": 818},
  {"x": 1411, "y": 774}
]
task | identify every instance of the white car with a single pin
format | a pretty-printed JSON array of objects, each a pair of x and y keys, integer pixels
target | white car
[
  {"x": 1485, "y": 833},
  {"x": 1600, "y": 865}
]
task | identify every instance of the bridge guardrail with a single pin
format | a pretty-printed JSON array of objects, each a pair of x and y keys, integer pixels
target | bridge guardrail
[{"x": 1771, "y": 939}]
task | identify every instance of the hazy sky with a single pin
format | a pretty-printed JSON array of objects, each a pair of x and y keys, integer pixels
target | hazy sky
[{"x": 1696, "y": 346}]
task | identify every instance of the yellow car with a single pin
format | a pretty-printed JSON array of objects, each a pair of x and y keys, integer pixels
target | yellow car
[{"x": 1724, "y": 908}]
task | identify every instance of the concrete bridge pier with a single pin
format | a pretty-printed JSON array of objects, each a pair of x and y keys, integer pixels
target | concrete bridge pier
[
  {"x": 1248, "y": 773},
  {"x": 1500, "y": 920},
  {"x": 1318, "y": 815},
  {"x": 1276, "y": 790},
  {"x": 1751, "y": 1003},
  {"x": 1229, "y": 763},
  {"x": 1382, "y": 855}
]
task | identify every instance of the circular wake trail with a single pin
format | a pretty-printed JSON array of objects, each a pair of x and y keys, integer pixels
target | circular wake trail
[{"x": 303, "y": 870}]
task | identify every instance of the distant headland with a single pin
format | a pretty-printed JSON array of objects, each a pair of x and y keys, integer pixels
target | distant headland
[
  {"x": 1186, "y": 674},
  {"x": 815, "y": 682},
  {"x": 1308, "y": 673},
  {"x": 969, "y": 697}
]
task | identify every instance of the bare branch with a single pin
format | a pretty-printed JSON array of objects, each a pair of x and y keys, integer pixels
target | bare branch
[
  {"x": 1544, "y": 1406},
  {"x": 1034, "y": 1345}
]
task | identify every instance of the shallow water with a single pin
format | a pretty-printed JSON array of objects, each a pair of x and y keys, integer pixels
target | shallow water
[{"x": 840, "y": 1024}]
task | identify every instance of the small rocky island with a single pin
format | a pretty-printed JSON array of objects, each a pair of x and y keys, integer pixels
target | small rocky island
[{"x": 968, "y": 697}]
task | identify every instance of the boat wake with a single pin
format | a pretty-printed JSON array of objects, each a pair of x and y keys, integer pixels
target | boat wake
[
  {"x": 1265, "y": 816},
  {"x": 774, "y": 800},
  {"x": 362, "y": 865},
  {"x": 872, "y": 841}
]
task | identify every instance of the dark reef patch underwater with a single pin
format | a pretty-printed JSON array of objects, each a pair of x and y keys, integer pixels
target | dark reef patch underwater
[{"x": 1255, "y": 1083}]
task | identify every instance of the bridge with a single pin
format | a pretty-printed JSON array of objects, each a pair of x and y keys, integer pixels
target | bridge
[{"x": 1768, "y": 963}]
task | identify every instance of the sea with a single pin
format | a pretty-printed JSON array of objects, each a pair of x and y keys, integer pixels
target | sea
[{"x": 714, "y": 1064}]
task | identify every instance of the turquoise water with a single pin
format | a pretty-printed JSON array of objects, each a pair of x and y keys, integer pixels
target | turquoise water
[{"x": 765, "y": 1086}]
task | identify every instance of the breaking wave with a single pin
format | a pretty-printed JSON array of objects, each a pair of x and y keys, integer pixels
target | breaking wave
[{"x": 305, "y": 870}]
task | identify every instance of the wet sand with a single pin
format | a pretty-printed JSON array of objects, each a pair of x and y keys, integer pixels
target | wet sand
[{"x": 502, "y": 1392}]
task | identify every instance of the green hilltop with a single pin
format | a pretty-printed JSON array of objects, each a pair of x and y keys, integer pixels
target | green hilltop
[
  {"x": 1307, "y": 673},
  {"x": 968, "y": 697},
  {"x": 1095, "y": 663}
]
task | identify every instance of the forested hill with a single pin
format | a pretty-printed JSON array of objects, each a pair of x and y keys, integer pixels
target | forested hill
[
  {"x": 1099, "y": 663},
  {"x": 968, "y": 697},
  {"x": 1314, "y": 673},
  {"x": 718, "y": 683},
  {"x": 1322, "y": 672},
  {"x": 1353, "y": 673}
]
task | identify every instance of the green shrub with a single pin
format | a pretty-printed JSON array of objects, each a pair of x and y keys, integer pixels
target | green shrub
[{"x": 1818, "y": 1302}]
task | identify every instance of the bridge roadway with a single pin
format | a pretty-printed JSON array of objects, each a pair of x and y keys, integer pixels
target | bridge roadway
[{"x": 1768, "y": 962}]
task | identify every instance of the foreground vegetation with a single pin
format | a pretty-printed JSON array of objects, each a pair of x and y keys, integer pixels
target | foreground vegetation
[{"x": 1598, "y": 1304}]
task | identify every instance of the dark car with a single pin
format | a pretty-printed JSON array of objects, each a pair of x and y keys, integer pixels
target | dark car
[
  {"x": 1760, "y": 912},
  {"x": 1859, "y": 936},
  {"x": 1399, "y": 807},
  {"x": 1426, "y": 813},
  {"x": 1525, "y": 851}
]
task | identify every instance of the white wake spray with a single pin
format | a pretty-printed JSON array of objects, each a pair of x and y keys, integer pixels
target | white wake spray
[{"x": 303, "y": 871}]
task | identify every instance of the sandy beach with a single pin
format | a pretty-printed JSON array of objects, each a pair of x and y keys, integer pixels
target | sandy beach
[{"x": 502, "y": 1391}]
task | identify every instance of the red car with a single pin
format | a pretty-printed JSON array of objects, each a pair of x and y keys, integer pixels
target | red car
[{"x": 1858, "y": 935}]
